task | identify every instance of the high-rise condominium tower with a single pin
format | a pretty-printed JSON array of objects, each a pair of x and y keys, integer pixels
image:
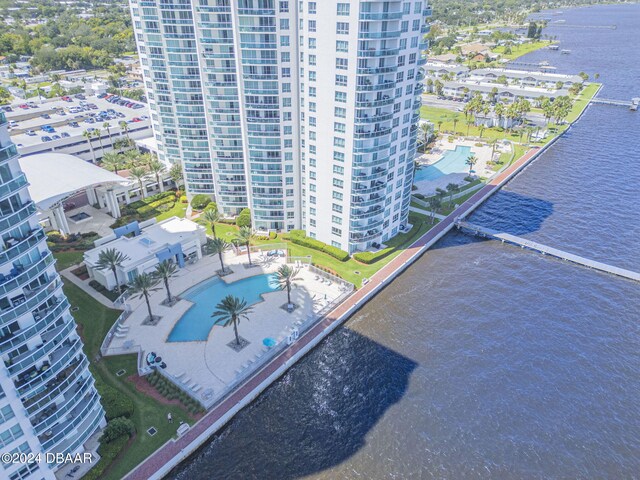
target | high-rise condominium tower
[
  {"x": 305, "y": 112},
  {"x": 48, "y": 402}
]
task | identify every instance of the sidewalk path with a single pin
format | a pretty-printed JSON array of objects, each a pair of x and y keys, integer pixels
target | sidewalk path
[
  {"x": 167, "y": 456},
  {"x": 67, "y": 274}
]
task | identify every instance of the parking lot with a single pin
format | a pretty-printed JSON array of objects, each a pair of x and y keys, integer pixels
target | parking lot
[{"x": 62, "y": 119}]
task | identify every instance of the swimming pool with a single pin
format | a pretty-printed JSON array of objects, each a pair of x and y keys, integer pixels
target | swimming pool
[
  {"x": 453, "y": 161},
  {"x": 196, "y": 323}
]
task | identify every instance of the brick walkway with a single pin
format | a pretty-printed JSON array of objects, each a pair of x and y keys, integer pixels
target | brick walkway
[{"x": 154, "y": 463}]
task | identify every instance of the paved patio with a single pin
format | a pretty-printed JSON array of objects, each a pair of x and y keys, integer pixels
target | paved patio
[
  {"x": 428, "y": 188},
  {"x": 206, "y": 368},
  {"x": 99, "y": 221}
]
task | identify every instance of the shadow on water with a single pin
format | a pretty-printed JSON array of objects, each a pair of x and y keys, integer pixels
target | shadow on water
[
  {"x": 513, "y": 213},
  {"x": 331, "y": 423}
]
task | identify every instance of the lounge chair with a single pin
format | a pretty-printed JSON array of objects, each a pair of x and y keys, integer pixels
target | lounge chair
[
  {"x": 120, "y": 335},
  {"x": 179, "y": 376},
  {"x": 196, "y": 388}
]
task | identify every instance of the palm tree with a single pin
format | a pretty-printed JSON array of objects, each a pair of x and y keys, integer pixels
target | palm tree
[
  {"x": 471, "y": 161},
  {"x": 219, "y": 246},
  {"x": 176, "y": 174},
  {"x": 139, "y": 174},
  {"x": 107, "y": 127},
  {"x": 157, "y": 168},
  {"x": 451, "y": 188},
  {"x": 124, "y": 126},
  {"x": 455, "y": 122},
  {"x": 434, "y": 205},
  {"x": 284, "y": 276},
  {"x": 86, "y": 134},
  {"x": 98, "y": 134},
  {"x": 426, "y": 133},
  {"x": 111, "y": 259},
  {"x": 229, "y": 312},
  {"x": 143, "y": 285},
  {"x": 244, "y": 237},
  {"x": 112, "y": 161},
  {"x": 164, "y": 271},
  {"x": 211, "y": 216}
]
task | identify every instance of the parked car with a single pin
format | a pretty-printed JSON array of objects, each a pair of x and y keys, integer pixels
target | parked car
[
  {"x": 137, "y": 106},
  {"x": 79, "y": 96},
  {"x": 74, "y": 124},
  {"x": 46, "y": 116},
  {"x": 7, "y": 108},
  {"x": 91, "y": 130},
  {"x": 45, "y": 139},
  {"x": 102, "y": 95},
  {"x": 55, "y": 137},
  {"x": 61, "y": 113},
  {"x": 13, "y": 123},
  {"x": 32, "y": 105},
  {"x": 24, "y": 106},
  {"x": 90, "y": 120},
  {"x": 120, "y": 115},
  {"x": 66, "y": 98},
  {"x": 135, "y": 120},
  {"x": 92, "y": 106},
  {"x": 65, "y": 135},
  {"x": 31, "y": 133}
]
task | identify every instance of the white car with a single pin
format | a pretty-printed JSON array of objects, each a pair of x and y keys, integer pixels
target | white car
[{"x": 31, "y": 133}]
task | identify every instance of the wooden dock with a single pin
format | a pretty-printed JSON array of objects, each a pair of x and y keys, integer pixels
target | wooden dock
[
  {"x": 546, "y": 250},
  {"x": 632, "y": 105}
]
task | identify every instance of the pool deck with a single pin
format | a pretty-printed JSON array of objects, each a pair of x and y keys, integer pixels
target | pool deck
[
  {"x": 173, "y": 452},
  {"x": 211, "y": 364},
  {"x": 428, "y": 187}
]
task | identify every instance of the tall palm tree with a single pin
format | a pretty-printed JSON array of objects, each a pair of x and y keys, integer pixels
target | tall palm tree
[
  {"x": 164, "y": 271},
  {"x": 244, "y": 237},
  {"x": 98, "y": 134},
  {"x": 124, "y": 126},
  {"x": 230, "y": 311},
  {"x": 139, "y": 174},
  {"x": 157, "y": 168},
  {"x": 107, "y": 127},
  {"x": 219, "y": 246},
  {"x": 451, "y": 188},
  {"x": 143, "y": 285},
  {"x": 113, "y": 161},
  {"x": 471, "y": 161},
  {"x": 111, "y": 259},
  {"x": 86, "y": 134},
  {"x": 211, "y": 216},
  {"x": 284, "y": 277},
  {"x": 434, "y": 205},
  {"x": 426, "y": 133},
  {"x": 176, "y": 174}
]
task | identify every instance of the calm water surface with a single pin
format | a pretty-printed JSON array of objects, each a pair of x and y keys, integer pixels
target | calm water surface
[{"x": 483, "y": 360}]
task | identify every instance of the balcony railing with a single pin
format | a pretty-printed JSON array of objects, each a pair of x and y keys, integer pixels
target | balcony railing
[{"x": 29, "y": 273}]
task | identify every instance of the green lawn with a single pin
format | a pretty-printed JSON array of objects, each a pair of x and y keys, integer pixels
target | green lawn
[
  {"x": 582, "y": 101},
  {"x": 436, "y": 115},
  {"x": 67, "y": 259},
  {"x": 178, "y": 210},
  {"x": 95, "y": 320},
  {"x": 520, "y": 50}
]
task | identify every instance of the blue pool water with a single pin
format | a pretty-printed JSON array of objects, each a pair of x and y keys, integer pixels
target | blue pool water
[
  {"x": 453, "y": 161},
  {"x": 196, "y": 323}
]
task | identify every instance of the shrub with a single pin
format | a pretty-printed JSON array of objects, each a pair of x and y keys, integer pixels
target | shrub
[
  {"x": 299, "y": 237},
  {"x": 272, "y": 235},
  {"x": 372, "y": 257},
  {"x": 420, "y": 196},
  {"x": 115, "y": 403},
  {"x": 244, "y": 218},
  {"x": 200, "y": 201},
  {"x": 116, "y": 428},
  {"x": 184, "y": 199},
  {"x": 212, "y": 206},
  {"x": 108, "y": 452}
]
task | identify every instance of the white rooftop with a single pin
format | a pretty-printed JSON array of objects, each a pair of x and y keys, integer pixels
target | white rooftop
[
  {"x": 152, "y": 239},
  {"x": 56, "y": 176}
]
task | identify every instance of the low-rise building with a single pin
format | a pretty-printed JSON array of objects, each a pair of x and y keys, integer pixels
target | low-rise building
[
  {"x": 438, "y": 70},
  {"x": 506, "y": 94},
  {"x": 525, "y": 78},
  {"x": 145, "y": 245}
]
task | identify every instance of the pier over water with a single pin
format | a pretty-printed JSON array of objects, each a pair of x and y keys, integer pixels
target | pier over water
[{"x": 546, "y": 250}]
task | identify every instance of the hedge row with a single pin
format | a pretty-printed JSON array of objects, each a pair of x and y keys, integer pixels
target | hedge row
[
  {"x": 158, "y": 203},
  {"x": 115, "y": 403},
  {"x": 171, "y": 392},
  {"x": 373, "y": 257},
  {"x": 108, "y": 452},
  {"x": 299, "y": 237}
]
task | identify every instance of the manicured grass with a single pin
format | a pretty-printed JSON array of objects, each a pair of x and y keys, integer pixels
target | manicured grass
[
  {"x": 435, "y": 115},
  {"x": 178, "y": 210},
  {"x": 95, "y": 320},
  {"x": 582, "y": 101},
  {"x": 520, "y": 50},
  {"x": 67, "y": 259}
]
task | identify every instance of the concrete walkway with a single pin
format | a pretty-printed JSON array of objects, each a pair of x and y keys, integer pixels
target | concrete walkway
[
  {"x": 171, "y": 453},
  {"x": 427, "y": 212},
  {"x": 86, "y": 288}
]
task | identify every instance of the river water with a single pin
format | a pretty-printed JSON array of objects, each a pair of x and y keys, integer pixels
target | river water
[{"x": 483, "y": 360}]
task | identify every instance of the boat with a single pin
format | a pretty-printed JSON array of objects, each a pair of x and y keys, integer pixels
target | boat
[
  {"x": 565, "y": 52},
  {"x": 553, "y": 47}
]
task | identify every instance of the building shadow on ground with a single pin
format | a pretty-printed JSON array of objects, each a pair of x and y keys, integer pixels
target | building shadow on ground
[{"x": 312, "y": 419}]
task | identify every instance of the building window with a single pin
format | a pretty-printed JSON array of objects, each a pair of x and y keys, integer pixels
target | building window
[
  {"x": 285, "y": 57},
  {"x": 284, "y": 40},
  {"x": 404, "y": 26},
  {"x": 338, "y": 142},
  {"x": 336, "y": 208},
  {"x": 339, "y": 127},
  {"x": 284, "y": 24},
  {"x": 343, "y": 10},
  {"x": 337, "y": 220},
  {"x": 312, "y": 8},
  {"x": 312, "y": 25},
  {"x": 338, "y": 156},
  {"x": 284, "y": 7},
  {"x": 342, "y": 63},
  {"x": 312, "y": 91},
  {"x": 416, "y": 25},
  {"x": 337, "y": 195},
  {"x": 312, "y": 60},
  {"x": 342, "y": 46},
  {"x": 340, "y": 112},
  {"x": 342, "y": 28},
  {"x": 338, "y": 169},
  {"x": 338, "y": 183},
  {"x": 336, "y": 231},
  {"x": 341, "y": 80},
  {"x": 312, "y": 76},
  {"x": 286, "y": 72},
  {"x": 341, "y": 97}
]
